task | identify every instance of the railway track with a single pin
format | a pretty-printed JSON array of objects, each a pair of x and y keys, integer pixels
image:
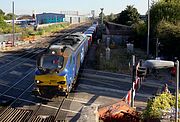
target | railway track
[
  {"x": 46, "y": 118},
  {"x": 10, "y": 114}
]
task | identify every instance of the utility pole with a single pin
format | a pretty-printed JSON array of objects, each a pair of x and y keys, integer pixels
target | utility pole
[
  {"x": 157, "y": 47},
  {"x": 13, "y": 22},
  {"x": 177, "y": 89},
  {"x": 148, "y": 30},
  {"x": 133, "y": 79},
  {"x": 102, "y": 15}
]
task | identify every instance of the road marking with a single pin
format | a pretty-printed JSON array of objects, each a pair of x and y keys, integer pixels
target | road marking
[
  {"x": 109, "y": 90},
  {"x": 149, "y": 83},
  {"x": 104, "y": 82},
  {"x": 48, "y": 106},
  {"x": 76, "y": 112},
  {"x": 84, "y": 101},
  {"x": 107, "y": 72},
  {"x": 105, "y": 77}
]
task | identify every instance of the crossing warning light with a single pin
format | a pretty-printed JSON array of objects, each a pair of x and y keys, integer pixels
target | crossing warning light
[{"x": 141, "y": 71}]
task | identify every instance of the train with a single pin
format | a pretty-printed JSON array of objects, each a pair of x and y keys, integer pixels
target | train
[{"x": 58, "y": 68}]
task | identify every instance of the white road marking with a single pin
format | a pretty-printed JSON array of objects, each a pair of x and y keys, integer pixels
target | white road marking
[
  {"x": 109, "y": 90},
  {"x": 104, "y": 82},
  {"x": 70, "y": 111},
  {"x": 107, "y": 72},
  {"x": 105, "y": 77},
  {"x": 81, "y": 101},
  {"x": 147, "y": 83}
]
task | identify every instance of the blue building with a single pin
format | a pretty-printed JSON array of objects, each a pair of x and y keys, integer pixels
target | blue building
[{"x": 46, "y": 18}]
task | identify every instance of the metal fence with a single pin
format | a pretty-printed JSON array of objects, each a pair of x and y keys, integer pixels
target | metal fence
[{"x": 9, "y": 37}]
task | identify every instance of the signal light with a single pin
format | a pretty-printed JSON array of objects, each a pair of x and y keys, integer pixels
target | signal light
[{"x": 141, "y": 71}]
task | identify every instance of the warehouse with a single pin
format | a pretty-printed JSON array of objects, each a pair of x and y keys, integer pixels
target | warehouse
[{"x": 47, "y": 18}]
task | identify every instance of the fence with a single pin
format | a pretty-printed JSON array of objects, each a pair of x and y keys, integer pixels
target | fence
[{"x": 9, "y": 37}]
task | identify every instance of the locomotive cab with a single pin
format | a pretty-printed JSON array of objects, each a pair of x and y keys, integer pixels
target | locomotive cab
[{"x": 50, "y": 75}]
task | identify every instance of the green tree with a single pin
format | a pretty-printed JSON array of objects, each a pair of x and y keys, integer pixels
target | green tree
[
  {"x": 168, "y": 10},
  {"x": 165, "y": 20},
  {"x": 9, "y": 16},
  {"x": 111, "y": 17},
  {"x": 169, "y": 36},
  {"x": 140, "y": 31},
  {"x": 129, "y": 16},
  {"x": 2, "y": 13}
]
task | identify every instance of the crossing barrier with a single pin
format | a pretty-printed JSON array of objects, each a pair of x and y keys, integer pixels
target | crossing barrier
[{"x": 135, "y": 88}]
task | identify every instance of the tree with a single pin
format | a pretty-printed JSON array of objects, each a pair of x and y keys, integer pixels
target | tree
[
  {"x": 168, "y": 10},
  {"x": 9, "y": 16},
  {"x": 111, "y": 17},
  {"x": 165, "y": 20},
  {"x": 169, "y": 36},
  {"x": 2, "y": 13},
  {"x": 129, "y": 16},
  {"x": 140, "y": 31}
]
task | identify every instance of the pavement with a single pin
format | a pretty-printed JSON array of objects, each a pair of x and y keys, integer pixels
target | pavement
[{"x": 89, "y": 114}]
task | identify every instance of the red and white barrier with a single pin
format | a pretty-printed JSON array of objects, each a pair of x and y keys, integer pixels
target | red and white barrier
[
  {"x": 135, "y": 87},
  {"x": 128, "y": 97}
]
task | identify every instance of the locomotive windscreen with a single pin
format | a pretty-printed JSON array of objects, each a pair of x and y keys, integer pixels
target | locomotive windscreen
[{"x": 51, "y": 61}]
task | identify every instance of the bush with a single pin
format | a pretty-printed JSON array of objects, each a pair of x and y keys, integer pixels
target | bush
[{"x": 155, "y": 106}]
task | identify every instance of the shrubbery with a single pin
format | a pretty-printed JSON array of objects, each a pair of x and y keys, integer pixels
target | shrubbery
[
  {"x": 44, "y": 30},
  {"x": 164, "y": 101}
]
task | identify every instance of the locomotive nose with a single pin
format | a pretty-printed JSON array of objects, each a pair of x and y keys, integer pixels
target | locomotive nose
[{"x": 46, "y": 82}]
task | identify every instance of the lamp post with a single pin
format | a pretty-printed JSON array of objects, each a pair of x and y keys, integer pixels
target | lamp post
[
  {"x": 148, "y": 30},
  {"x": 13, "y": 22},
  {"x": 177, "y": 89},
  {"x": 133, "y": 79},
  {"x": 102, "y": 15}
]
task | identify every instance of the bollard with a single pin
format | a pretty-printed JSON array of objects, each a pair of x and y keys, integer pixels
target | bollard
[{"x": 108, "y": 51}]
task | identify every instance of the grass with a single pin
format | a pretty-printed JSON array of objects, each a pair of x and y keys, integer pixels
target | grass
[
  {"x": 119, "y": 59},
  {"x": 30, "y": 32}
]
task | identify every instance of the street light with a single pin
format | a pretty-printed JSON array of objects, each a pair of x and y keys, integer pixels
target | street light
[
  {"x": 102, "y": 15},
  {"x": 158, "y": 64},
  {"x": 13, "y": 22},
  {"x": 148, "y": 30}
]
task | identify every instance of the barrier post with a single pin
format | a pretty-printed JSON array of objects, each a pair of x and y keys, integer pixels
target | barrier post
[
  {"x": 177, "y": 90},
  {"x": 133, "y": 79}
]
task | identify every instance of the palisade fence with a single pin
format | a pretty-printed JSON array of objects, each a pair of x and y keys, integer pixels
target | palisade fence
[{"x": 8, "y": 38}]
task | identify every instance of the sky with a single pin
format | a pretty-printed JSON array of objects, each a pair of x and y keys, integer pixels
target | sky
[{"x": 83, "y": 6}]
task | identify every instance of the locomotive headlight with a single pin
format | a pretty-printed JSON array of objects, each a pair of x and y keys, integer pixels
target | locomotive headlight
[
  {"x": 37, "y": 81},
  {"x": 61, "y": 82}
]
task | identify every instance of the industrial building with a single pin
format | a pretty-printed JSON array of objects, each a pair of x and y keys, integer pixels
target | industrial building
[
  {"x": 73, "y": 17},
  {"x": 47, "y": 18}
]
